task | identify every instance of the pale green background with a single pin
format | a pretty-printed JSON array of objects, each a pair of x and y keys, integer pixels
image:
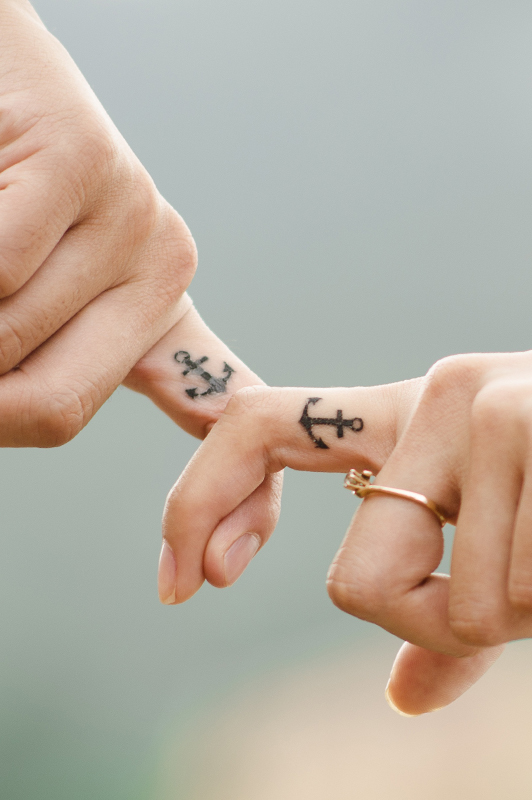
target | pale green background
[{"x": 357, "y": 177}]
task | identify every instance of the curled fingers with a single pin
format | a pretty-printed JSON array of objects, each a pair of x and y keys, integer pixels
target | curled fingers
[{"x": 262, "y": 430}]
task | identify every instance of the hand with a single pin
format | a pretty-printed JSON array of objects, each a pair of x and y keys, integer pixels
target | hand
[
  {"x": 461, "y": 436},
  {"x": 192, "y": 375},
  {"x": 93, "y": 261}
]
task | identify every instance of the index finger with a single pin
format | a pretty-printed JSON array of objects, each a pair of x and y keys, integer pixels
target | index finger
[{"x": 262, "y": 431}]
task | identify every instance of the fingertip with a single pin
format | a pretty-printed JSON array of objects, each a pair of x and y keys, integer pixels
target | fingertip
[
  {"x": 239, "y": 555},
  {"x": 240, "y": 535},
  {"x": 227, "y": 558},
  {"x": 175, "y": 587},
  {"x": 392, "y": 704},
  {"x": 422, "y": 681},
  {"x": 167, "y": 574}
]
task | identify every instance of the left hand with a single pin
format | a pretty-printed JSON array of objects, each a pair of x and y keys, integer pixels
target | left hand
[
  {"x": 192, "y": 375},
  {"x": 461, "y": 436}
]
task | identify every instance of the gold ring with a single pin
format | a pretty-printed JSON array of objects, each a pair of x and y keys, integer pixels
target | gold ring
[{"x": 359, "y": 484}]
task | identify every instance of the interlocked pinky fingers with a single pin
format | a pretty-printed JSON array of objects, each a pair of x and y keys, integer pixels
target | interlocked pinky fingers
[{"x": 226, "y": 490}]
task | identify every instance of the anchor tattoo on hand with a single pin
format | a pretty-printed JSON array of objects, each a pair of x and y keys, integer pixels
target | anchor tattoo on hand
[
  {"x": 355, "y": 424},
  {"x": 216, "y": 385}
]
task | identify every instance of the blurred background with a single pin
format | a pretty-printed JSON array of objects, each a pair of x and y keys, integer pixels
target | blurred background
[{"x": 357, "y": 175}]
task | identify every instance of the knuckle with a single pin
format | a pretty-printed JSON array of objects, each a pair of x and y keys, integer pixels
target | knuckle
[
  {"x": 12, "y": 272},
  {"x": 258, "y": 406},
  {"x": 520, "y": 592},
  {"x": 100, "y": 151},
  {"x": 60, "y": 418},
  {"x": 176, "y": 254},
  {"x": 96, "y": 164},
  {"x": 12, "y": 349},
  {"x": 129, "y": 204},
  {"x": 142, "y": 209},
  {"x": 168, "y": 257},
  {"x": 356, "y": 593},
  {"x": 476, "y": 624},
  {"x": 248, "y": 407},
  {"x": 500, "y": 404},
  {"x": 157, "y": 248},
  {"x": 254, "y": 409},
  {"x": 249, "y": 400},
  {"x": 451, "y": 373}
]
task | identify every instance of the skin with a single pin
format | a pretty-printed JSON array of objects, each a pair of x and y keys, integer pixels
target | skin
[
  {"x": 461, "y": 435},
  {"x": 94, "y": 263}
]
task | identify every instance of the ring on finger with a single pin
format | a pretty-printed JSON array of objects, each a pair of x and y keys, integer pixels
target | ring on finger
[{"x": 360, "y": 484}]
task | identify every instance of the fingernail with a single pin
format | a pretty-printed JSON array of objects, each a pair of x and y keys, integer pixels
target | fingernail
[
  {"x": 239, "y": 555},
  {"x": 167, "y": 574},
  {"x": 392, "y": 704}
]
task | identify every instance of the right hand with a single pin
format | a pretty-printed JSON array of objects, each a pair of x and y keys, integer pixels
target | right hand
[
  {"x": 93, "y": 261},
  {"x": 462, "y": 436}
]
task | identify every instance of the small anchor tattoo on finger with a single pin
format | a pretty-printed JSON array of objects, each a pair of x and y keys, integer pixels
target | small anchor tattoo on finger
[
  {"x": 215, "y": 385},
  {"x": 308, "y": 422}
]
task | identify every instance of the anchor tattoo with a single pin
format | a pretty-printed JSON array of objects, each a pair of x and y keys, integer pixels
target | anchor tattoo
[
  {"x": 216, "y": 385},
  {"x": 355, "y": 424}
]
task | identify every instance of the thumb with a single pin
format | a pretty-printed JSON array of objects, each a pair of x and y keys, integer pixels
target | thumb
[{"x": 423, "y": 681}]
